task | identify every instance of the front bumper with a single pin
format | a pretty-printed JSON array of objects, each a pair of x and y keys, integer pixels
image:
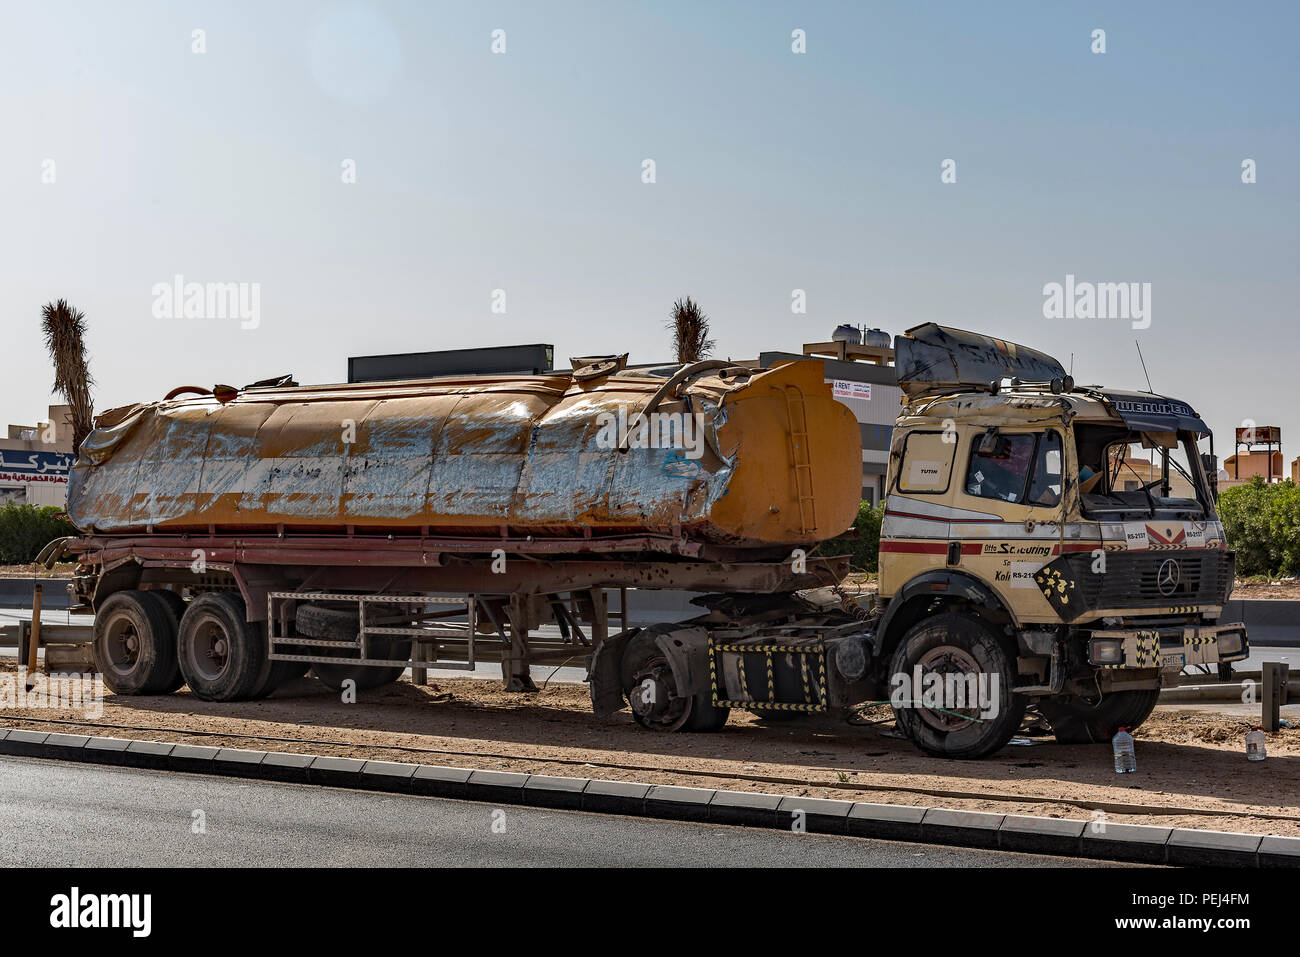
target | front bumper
[{"x": 1169, "y": 649}]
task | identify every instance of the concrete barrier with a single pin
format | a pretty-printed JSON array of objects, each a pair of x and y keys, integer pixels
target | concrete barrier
[{"x": 17, "y": 592}]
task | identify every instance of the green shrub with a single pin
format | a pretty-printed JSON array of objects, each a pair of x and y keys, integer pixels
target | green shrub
[
  {"x": 26, "y": 529},
  {"x": 862, "y": 544},
  {"x": 1262, "y": 522}
]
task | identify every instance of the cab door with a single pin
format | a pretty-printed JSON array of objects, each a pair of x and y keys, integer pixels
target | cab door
[{"x": 1017, "y": 479}]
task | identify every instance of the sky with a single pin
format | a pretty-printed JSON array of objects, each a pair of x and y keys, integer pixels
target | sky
[{"x": 387, "y": 182}]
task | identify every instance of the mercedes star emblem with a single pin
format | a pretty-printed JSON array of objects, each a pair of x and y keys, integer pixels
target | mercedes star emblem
[{"x": 1168, "y": 577}]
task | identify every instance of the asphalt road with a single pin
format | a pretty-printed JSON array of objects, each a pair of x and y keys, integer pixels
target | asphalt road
[{"x": 57, "y": 814}]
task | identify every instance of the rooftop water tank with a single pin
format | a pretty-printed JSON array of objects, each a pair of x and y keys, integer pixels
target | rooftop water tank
[
  {"x": 877, "y": 339},
  {"x": 847, "y": 333}
]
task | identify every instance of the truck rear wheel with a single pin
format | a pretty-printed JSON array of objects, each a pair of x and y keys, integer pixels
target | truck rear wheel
[
  {"x": 1087, "y": 721},
  {"x": 222, "y": 655},
  {"x": 957, "y": 648},
  {"x": 651, "y": 691},
  {"x": 135, "y": 644}
]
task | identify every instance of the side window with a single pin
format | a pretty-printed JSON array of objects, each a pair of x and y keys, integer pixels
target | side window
[
  {"x": 1023, "y": 468},
  {"x": 926, "y": 467},
  {"x": 1045, "y": 483}
]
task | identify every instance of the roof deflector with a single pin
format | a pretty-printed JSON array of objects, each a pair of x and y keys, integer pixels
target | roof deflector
[{"x": 933, "y": 358}]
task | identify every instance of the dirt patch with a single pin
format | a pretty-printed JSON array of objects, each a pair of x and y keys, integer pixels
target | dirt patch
[
  {"x": 64, "y": 570},
  {"x": 1192, "y": 771},
  {"x": 1285, "y": 590}
]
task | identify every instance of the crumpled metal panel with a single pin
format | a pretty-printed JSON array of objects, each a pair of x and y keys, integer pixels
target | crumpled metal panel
[
  {"x": 930, "y": 357},
  {"x": 476, "y": 456}
]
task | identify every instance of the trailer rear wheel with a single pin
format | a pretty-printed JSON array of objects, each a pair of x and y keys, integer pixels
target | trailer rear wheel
[
  {"x": 1086, "y": 721},
  {"x": 223, "y": 656},
  {"x": 961, "y": 647},
  {"x": 651, "y": 691},
  {"x": 135, "y": 644},
  {"x": 174, "y": 605}
]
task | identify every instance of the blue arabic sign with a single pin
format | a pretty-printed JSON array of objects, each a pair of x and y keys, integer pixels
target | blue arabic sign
[{"x": 35, "y": 463}]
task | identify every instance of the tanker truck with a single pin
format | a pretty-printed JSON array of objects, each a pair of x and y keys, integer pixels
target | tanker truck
[{"x": 232, "y": 539}]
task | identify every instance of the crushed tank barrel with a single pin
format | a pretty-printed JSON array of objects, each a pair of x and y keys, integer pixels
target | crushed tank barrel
[{"x": 735, "y": 457}]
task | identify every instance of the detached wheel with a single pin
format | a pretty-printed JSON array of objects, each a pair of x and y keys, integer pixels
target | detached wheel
[
  {"x": 651, "y": 691},
  {"x": 223, "y": 656},
  {"x": 135, "y": 645},
  {"x": 1093, "y": 720},
  {"x": 957, "y": 648}
]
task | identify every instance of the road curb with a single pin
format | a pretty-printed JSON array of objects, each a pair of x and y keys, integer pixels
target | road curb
[{"x": 1010, "y": 832}]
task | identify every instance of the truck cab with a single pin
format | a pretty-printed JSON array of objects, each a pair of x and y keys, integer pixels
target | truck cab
[{"x": 1064, "y": 535}]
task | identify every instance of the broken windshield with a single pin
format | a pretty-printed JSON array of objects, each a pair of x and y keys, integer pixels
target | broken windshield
[{"x": 1124, "y": 473}]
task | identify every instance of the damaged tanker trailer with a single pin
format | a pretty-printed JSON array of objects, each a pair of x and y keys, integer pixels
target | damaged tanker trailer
[{"x": 233, "y": 539}]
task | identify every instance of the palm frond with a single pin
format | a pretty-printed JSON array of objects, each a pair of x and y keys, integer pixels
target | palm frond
[
  {"x": 690, "y": 327},
  {"x": 65, "y": 329}
]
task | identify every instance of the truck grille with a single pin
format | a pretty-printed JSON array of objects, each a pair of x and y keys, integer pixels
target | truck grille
[{"x": 1158, "y": 579}]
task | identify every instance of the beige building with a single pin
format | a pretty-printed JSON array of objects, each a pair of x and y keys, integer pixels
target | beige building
[
  {"x": 1244, "y": 466},
  {"x": 34, "y": 460},
  {"x": 1136, "y": 472}
]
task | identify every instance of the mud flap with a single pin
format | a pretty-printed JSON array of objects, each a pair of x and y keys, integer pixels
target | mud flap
[
  {"x": 687, "y": 651},
  {"x": 605, "y": 673}
]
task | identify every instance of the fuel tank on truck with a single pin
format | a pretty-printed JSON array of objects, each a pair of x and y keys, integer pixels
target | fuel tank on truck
[{"x": 732, "y": 456}]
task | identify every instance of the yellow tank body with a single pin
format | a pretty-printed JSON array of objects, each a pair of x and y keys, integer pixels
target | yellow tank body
[{"x": 775, "y": 461}]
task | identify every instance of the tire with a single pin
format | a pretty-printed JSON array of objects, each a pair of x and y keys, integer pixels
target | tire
[
  {"x": 135, "y": 644},
  {"x": 331, "y": 624},
  {"x": 644, "y": 661},
  {"x": 957, "y": 643},
  {"x": 223, "y": 656},
  {"x": 174, "y": 605},
  {"x": 1083, "y": 721},
  {"x": 344, "y": 624}
]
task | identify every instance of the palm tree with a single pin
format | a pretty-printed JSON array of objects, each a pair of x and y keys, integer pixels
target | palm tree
[
  {"x": 690, "y": 329},
  {"x": 65, "y": 329}
]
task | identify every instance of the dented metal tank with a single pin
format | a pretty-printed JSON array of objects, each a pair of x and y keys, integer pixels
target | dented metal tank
[{"x": 731, "y": 456}]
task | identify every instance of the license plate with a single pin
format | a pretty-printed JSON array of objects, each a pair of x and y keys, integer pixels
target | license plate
[{"x": 1174, "y": 661}]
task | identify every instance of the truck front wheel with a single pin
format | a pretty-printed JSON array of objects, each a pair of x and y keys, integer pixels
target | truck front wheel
[
  {"x": 964, "y": 706},
  {"x": 1085, "y": 721}
]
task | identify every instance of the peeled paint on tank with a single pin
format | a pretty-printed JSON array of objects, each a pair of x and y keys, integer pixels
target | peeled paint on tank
[{"x": 483, "y": 456}]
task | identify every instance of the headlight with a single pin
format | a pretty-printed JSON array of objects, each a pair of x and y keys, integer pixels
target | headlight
[
  {"x": 1106, "y": 651},
  {"x": 1229, "y": 643}
]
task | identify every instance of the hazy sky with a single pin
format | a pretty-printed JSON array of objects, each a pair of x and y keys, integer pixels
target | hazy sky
[{"x": 775, "y": 171}]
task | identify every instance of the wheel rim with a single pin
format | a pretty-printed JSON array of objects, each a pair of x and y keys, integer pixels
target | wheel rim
[
  {"x": 210, "y": 650},
  {"x": 654, "y": 699},
  {"x": 948, "y": 660},
  {"x": 122, "y": 645}
]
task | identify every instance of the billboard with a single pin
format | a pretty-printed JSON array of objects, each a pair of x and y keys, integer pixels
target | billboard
[
  {"x": 34, "y": 468},
  {"x": 1259, "y": 435}
]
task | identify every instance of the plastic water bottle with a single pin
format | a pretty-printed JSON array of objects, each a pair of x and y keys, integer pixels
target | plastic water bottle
[
  {"x": 1255, "y": 750},
  {"x": 1125, "y": 759}
]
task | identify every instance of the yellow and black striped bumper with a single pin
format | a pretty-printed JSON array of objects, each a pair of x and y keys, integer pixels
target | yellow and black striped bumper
[{"x": 1168, "y": 649}]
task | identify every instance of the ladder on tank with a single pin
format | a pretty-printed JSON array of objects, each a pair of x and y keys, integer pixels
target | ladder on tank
[{"x": 800, "y": 457}]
